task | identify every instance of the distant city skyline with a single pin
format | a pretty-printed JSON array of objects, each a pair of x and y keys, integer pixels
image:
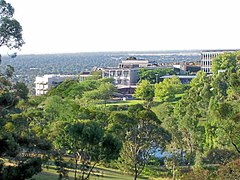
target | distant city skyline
[{"x": 59, "y": 26}]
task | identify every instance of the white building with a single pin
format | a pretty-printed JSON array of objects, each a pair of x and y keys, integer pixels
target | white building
[
  {"x": 122, "y": 76},
  {"x": 126, "y": 74},
  {"x": 44, "y": 83},
  {"x": 207, "y": 57}
]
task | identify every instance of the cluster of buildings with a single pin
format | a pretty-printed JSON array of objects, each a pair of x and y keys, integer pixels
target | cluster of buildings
[{"x": 125, "y": 75}]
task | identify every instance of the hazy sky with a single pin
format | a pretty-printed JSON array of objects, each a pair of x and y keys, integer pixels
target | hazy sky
[{"x": 61, "y": 26}]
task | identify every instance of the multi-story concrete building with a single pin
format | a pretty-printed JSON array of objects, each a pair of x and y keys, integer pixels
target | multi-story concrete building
[
  {"x": 207, "y": 57},
  {"x": 126, "y": 74},
  {"x": 44, "y": 83},
  {"x": 121, "y": 76}
]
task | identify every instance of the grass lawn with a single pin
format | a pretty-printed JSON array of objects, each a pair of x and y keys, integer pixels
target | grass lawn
[
  {"x": 107, "y": 174},
  {"x": 128, "y": 102}
]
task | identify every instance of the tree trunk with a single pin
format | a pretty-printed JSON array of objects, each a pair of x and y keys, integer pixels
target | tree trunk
[
  {"x": 191, "y": 148},
  {"x": 135, "y": 172},
  {"x": 135, "y": 176},
  {"x": 75, "y": 172},
  {"x": 83, "y": 170},
  {"x": 89, "y": 172},
  {"x": 173, "y": 170}
]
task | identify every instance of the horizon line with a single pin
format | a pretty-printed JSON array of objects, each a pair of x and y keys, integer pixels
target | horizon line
[{"x": 126, "y": 51}]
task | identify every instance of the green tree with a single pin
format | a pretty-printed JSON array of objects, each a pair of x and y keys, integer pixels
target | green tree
[
  {"x": 21, "y": 90},
  {"x": 16, "y": 136},
  {"x": 21, "y": 147},
  {"x": 10, "y": 29},
  {"x": 145, "y": 91},
  {"x": 190, "y": 111},
  {"x": 226, "y": 61},
  {"x": 118, "y": 124},
  {"x": 11, "y": 37},
  {"x": 89, "y": 143},
  {"x": 104, "y": 92},
  {"x": 226, "y": 118},
  {"x": 224, "y": 106},
  {"x": 142, "y": 140},
  {"x": 166, "y": 90},
  {"x": 153, "y": 75}
]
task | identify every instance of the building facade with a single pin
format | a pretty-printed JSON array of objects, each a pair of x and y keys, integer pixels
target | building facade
[
  {"x": 122, "y": 76},
  {"x": 208, "y": 55},
  {"x": 44, "y": 83}
]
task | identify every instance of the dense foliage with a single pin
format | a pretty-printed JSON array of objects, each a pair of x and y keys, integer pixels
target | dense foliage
[
  {"x": 205, "y": 123},
  {"x": 153, "y": 75}
]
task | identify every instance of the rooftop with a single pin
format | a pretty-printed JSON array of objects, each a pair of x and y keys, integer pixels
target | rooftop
[
  {"x": 220, "y": 50},
  {"x": 179, "y": 76}
]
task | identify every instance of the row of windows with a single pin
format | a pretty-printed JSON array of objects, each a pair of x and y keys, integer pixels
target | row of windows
[
  {"x": 122, "y": 82},
  {"x": 206, "y": 63},
  {"x": 205, "y": 69},
  {"x": 116, "y": 74},
  {"x": 209, "y": 56}
]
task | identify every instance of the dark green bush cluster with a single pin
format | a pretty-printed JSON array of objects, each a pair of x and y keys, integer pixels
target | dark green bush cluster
[{"x": 25, "y": 170}]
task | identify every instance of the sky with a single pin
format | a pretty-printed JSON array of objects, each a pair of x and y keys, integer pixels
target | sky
[{"x": 68, "y": 26}]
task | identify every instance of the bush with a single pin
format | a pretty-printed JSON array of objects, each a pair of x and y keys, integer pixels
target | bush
[{"x": 25, "y": 170}]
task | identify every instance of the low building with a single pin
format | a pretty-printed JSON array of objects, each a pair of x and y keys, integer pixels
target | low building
[
  {"x": 185, "y": 79},
  {"x": 44, "y": 83}
]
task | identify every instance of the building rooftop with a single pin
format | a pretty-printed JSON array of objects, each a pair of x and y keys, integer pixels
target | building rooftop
[
  {"x": 135, "y": 61},
  {"x": 179, "y": 76},
  {"x": 117, "y": 68},
  {"x": 220, "y": 50}
]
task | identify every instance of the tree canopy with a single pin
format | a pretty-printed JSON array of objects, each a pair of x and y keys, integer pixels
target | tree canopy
[
  {"x": 166, "y": 90},
  {"x": 153, "y": 75},
  {"x": 144, "y": 91},
  {"x": 10, "y": 28}
]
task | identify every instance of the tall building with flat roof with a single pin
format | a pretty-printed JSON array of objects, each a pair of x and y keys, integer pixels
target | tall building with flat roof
[{"x": 207, "y": 57}]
